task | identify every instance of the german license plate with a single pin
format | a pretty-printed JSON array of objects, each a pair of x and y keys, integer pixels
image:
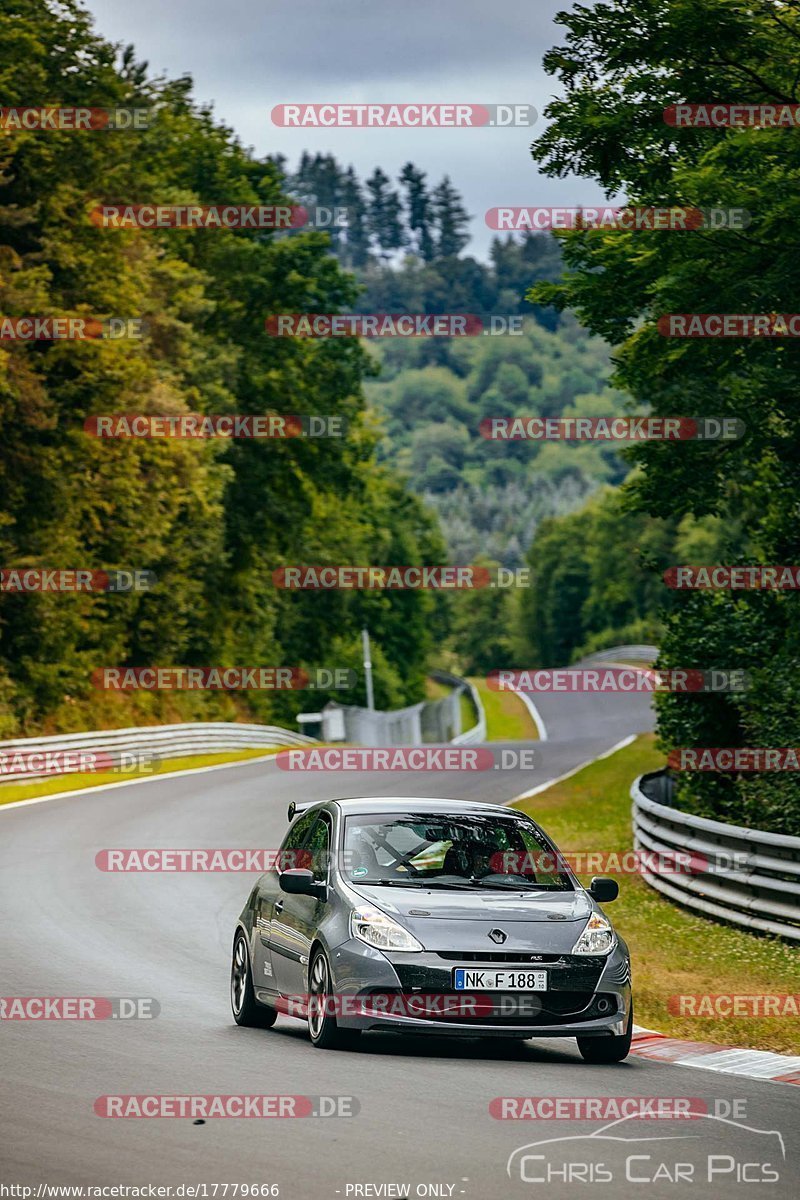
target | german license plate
[{"x": 465, "y": 979}]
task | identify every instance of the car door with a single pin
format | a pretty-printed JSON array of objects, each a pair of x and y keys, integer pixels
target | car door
[
  {"x": 270, "y": 899},
  {"x": 295, "y": 919}
]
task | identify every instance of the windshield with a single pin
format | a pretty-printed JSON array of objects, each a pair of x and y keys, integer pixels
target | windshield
[{"x": 470, "y": 851}]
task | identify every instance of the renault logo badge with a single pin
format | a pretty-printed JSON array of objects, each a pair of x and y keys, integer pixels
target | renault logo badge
[{"x": 497, "y": 935}]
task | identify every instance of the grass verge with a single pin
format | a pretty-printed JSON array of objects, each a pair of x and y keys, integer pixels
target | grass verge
[
  {"x": 507, "y": 718},
  {"x": 53, "y": 784},
  {"x": 673, "y": 951},
  {"x": 469, "y": 717}
]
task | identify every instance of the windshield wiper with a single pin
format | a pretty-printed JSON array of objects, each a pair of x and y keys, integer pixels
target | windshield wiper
[
  {"x": 457, "y": 885},
  {"x": 452, "y": 884},
  {"x": 481, "y": 881},
  {"x": 518, "y": 887},
  {"x": 388, "y": 882}
]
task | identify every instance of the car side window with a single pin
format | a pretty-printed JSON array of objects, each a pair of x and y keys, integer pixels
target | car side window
[
  {"x": 293, "y": 842},
  {"x": 318, "y": 849}
]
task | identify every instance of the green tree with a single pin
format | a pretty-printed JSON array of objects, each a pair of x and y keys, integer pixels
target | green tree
[
  {"x": 620, "y": 65},
  {"x": 452, "y": 220},
  {"x": 384, "y": 215},
  {"x": 356, "y": 238},
  {"x": 483, "y": 621},
  {"x": 593, "y": 580},
  {"x": 213, "y": 519},
  {"x": 419, "y": 211}
]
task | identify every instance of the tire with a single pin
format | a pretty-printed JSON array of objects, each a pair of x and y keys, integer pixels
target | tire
[
  {"x": 245, "y": 1007},
  {"x": 607, "y": 1049},
  {"x": 322, "y": 1027}
]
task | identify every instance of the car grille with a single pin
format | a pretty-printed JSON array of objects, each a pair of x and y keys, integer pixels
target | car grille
[
  {"x": 500, "y": 1009},
  {"x": 566, "y": 973}
]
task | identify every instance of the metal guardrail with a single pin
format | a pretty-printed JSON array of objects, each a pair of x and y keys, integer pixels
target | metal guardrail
[
  {"x": 635, "y": 653},
  {"x": 112, "y": 746},
  {"x": 376, "y": 727},
  {"x": 426, "y": 722},
  {"x": 122, "y": 749},
  {"x": 747, "y": 877},
  {"x": 477, "y": 733}
]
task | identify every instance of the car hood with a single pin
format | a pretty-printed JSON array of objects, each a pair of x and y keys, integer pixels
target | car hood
[
  {"x": 418, "y": 904},
  {"x": 547, "y": 921}
]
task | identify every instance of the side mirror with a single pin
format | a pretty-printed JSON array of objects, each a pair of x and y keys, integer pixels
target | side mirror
[
  {"x": 300, "y": 882},
  {"x": 603, "y": 889}
]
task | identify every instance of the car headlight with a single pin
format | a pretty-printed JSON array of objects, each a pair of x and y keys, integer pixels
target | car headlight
[
  {"x": 372, "y": 926},
  {"x": 597, "y": 938}
]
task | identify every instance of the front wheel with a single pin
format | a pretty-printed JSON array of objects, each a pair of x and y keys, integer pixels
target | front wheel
[
  {"x": 607, "y": 1049},
  {"x": 246, "y": 1009},
  {"x": 322, "y": 1026}
]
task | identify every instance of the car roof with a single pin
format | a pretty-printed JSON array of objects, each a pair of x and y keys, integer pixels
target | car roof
[
  {"x": 378, "y": 804},
  {"x": 375, "y": 805}
]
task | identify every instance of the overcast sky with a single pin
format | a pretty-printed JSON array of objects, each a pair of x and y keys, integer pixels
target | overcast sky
[{"x": 248, "y": 58}]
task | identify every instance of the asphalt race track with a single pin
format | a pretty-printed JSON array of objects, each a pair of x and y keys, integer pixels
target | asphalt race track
[{"x": 70, "y": 929}]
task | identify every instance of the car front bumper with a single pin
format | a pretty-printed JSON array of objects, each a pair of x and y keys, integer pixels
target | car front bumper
[{"x": 414, "y": 993}]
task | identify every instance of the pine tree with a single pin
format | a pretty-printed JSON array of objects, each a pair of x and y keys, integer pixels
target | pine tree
[
  {"x": 419, "y": 211},
  {"x": 356, "y": 243},
  {"x": 384, "y": 215},
  {"x": 451, "y": 219}
]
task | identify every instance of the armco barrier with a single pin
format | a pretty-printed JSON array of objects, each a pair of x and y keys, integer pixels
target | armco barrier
[
  {"x": 625, "y": 653},
  {"x": 477, "y": 732},
  {"x": 166, "y": 741},
  {"x": 427, "y": 722},
  {"x": 375, "y": 727},
  {"x": 746, "y": 877}
]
